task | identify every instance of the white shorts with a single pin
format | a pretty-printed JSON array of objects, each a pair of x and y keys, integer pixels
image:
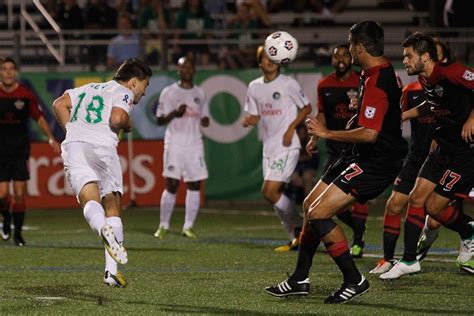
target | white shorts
[
  {"x": 280, "y": 167},
  {"x": 184, "y": 162},
  {"x": 84, "y": 163}
]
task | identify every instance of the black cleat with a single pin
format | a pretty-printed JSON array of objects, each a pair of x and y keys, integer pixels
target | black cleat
[
  {"x": 18, "y": 239},
  {"x": 347, "y": 292},
  {"x": 288, "y": 287}
]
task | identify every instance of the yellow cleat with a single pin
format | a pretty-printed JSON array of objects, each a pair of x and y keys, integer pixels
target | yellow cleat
[
  {"x": 292, "y": 245},
  {"x": 188, "y": 233},
  {"x": 161, "y": 233},
  {"x": 115, "y": 280}
]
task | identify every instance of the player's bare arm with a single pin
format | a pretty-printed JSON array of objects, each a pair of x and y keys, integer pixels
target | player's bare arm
[
  {"x": 179, "y": 112},
  {"x": 357, "y": 135},
  {"x": 420, "y": 110},
  {"x": 467, "y": 132},
  {"x": 250, "y": 120},
  {"x": 311, "y": 145},
  {"x": 62, "y": 109},
  {"x": 119, "y": 120},
  {"x": 288, "y": 136},
  {"x": 51, "y": 140}
]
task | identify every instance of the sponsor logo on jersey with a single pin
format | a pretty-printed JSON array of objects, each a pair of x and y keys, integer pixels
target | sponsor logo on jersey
[
  {"x": 468, "y": 75},
  {"x": 369, "y": 112},
  {"x": 19, "y": 104},
  {"x": 439, "y": 91},
  {"x": 276, "y": 95}
]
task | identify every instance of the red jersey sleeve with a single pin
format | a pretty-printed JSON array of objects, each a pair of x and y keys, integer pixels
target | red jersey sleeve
[
  {"x": 461, "y": 75},
  {"x": 373, "y": 108},
  {"x": 35, "y": 109},
  {"x": 403, "y": 99}
]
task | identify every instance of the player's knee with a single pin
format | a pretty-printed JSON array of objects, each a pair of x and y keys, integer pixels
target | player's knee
[
  {"x": 393, "y": 207},
  {"x": 193, "y": 186},
  {"x": 417, "y": 199}
]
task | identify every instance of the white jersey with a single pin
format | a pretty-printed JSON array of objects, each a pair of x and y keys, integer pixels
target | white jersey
[
  {"x": 185, "y": 130},
  {"x": 277, "y": 104},
  {"x": 91, "y": 108}
]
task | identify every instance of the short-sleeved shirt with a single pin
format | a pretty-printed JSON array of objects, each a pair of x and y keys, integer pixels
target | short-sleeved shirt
[
  {"x": 334, "y": 97},
  {"x": 91, "y": 109},
  {"x": 277, "y": 103},
  {"x": 379, "y": 109},
  {"x": 450, "y": 90},
  {"x": 16, "y": 108},
  {"x": 185, "y": 130}
]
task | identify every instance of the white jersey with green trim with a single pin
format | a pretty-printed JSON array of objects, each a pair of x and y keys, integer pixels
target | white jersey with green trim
[
  {"x": 91, "y": 109},
  {"x": 277, "y": 103}
]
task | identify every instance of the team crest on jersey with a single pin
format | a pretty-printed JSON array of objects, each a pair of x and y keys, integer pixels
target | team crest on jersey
[
  {"x": 197, "y": 101},
  {"x": 369, "y": 112},
  {"x": 170, "y": 168},
  {"x": 276, "y": 95},
  {"x": 468, "y": 75},
  {"x": 439, "y": 91},
  {"x": 19, "y": 104},
  {"x": 351, "y": 94}
]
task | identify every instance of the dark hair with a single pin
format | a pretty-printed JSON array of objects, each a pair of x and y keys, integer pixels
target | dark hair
[
  {"x": 370, "y": 35},
  {"x": 345, "y": 46},
  {"x": 444, "y": 49},
  {"x": 422, "y": 43},
  {"x": 131, "y": 68},
  {"x": 8, "y": 60}
]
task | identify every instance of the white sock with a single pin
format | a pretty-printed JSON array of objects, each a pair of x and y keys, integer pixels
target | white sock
[
  {"x": 193, "y": 199},
  {"x": 95, "y": 215},
  {"x": 167, "y": 203},
  {"x": 117, "y": 227},
  {"x": 289, "y": 216}
]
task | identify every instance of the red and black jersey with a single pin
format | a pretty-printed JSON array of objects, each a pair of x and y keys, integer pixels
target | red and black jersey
[
  {"x": 379, "y": 109},
  {"x": 333, "y": 100},
  {"x": 423, "y": 127},
  {"x": 16, "y": 108},
  {"x": 450, "y": 92}
]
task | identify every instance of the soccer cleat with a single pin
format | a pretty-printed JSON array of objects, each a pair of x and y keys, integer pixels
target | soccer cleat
[
  {"x": 288, "y": 287},
  {"x": 292, "y": 245},
  {"x": 348, "y": 292},
  {"x": 467, "y": 249},
  {"x": 357, "y": 251},
  {"x": 427, "y": 238},
  {"x": 115, "y": 280},
  {"x": 188, "y": 233},
  {"x": 400, "y": 269},
  {"x": 6, "y": 229},
  {"x": 18, "y": 239},
  {"x": 466, "y": 266},
  {"x": 161, "y": 233},
  {"x": 382, "y": 266},
  {"x": 113, "y": 247}
]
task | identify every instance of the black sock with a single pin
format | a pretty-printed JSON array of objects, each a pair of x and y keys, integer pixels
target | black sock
[
  {"x": 309, "y": 242},
  {"x": 346, "y": 264},
  {"x": 358, "y": 230},
  {"x": 346, "y": 218},
  {"x": 18, "y": 219},
  {"x": 389, "y": 244}
]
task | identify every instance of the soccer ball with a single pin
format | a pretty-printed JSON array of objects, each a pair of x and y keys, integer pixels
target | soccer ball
[{"x": 281, "y": 47}]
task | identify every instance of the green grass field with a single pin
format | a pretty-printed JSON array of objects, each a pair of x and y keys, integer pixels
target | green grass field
[{"x": 223, "y": 272}]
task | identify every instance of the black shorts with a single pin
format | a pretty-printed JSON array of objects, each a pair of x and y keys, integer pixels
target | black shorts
[
  {"x": 405, "y": 181},
  {"x": 365, "y": 180},
  {"x": 334, "y": 166},
  {"x": 453, "y": 173},
  {"x": 14, "y": 169}
]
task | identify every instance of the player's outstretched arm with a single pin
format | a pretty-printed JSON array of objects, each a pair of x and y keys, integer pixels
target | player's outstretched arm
[
  {"x": 51, "y": 140},
  {"x": 62, "y": 109},
  {"x": 297, "y": 121},
  {"x": 165, "y": 119},
  {"x": 420, "y": 110},
  {"x": 357, "y": 135}
]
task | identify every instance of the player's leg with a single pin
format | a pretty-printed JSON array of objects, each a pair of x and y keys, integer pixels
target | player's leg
[
  {"x": 5, "y": 210},
  {"x": 320, "y": 218},
  {"x": 114, "y": 250},
  {"x": 18, "y": 211},
  {"x": 359, "y": 214},
  {"x": 428, "y": 236},
  {"x": 167, "y": 203},
  {"x": 192, "y": 202},
  {"x": 396, "y": 204},
  {"x": 414, "y": 223}
]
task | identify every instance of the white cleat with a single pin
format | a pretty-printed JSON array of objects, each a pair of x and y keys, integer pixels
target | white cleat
[
  {"x": 115, "y": 280},
  {"x": 113, "y": 247},
  {"x": 466, "y": 250},
  {"x": 382, "y": 267},
  {"x": 400, "y": 269}
]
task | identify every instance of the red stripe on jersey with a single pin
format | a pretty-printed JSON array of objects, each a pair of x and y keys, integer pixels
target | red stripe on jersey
[{"x": 373, "y": 108}]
